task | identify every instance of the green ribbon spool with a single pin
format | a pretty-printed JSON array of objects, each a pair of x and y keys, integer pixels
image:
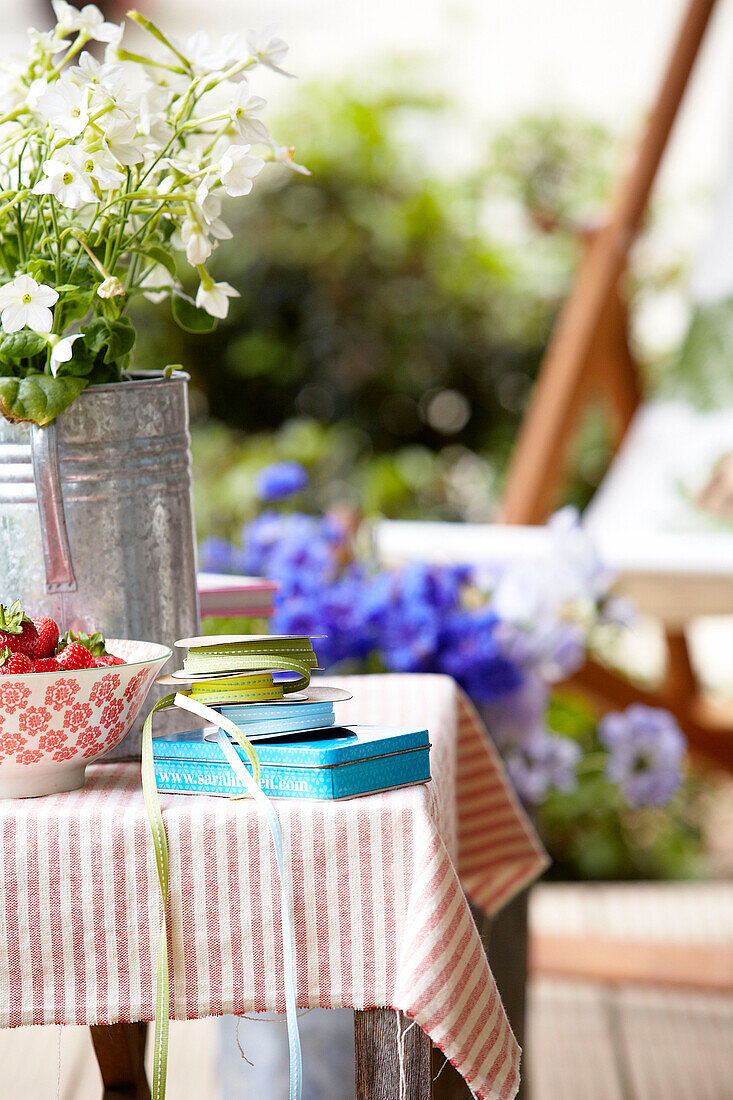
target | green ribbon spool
[{"x": 282, "y": 655}]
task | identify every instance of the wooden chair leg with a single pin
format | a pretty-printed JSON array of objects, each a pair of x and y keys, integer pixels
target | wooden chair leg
[
  {"x": 120, "y": 1053},
  {"x": 709, "y": 732},
  {"x": 680, "y": 681},
  {"x": 377, "y": 1063}
]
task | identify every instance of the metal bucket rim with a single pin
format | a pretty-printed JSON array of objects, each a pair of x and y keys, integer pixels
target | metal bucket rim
[{"x": 139, "y": 380}]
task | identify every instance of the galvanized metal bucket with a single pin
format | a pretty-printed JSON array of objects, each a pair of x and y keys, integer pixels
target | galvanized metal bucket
[{"x": 96, "y": 515}]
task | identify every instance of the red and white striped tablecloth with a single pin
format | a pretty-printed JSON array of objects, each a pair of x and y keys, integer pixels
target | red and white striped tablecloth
[{"x": 380, "y": 916}]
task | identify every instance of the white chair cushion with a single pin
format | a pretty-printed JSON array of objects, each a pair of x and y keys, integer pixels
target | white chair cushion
[{"x": 674, "y": 556}]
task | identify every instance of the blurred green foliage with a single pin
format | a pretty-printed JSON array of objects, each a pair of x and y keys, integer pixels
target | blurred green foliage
[
  {"x": 407, "y": 304},
  {"x": 344, "y": 470}
]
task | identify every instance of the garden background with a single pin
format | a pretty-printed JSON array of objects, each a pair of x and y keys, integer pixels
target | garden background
[{"x": 395, "y": 305}]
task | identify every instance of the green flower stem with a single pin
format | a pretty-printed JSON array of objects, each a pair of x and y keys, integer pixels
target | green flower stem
[
  {"x": 151, "y": 28},
  {"x": 34, "y": 233},
  {"x": 112, "y": 251},
  {"x": 78, "y": 44},
  {"x": 54, "y": 219},
  {"x": 141, "y": 229},
  {"x": 8, "y": 206},
  {"x": 125, "y": 55}
]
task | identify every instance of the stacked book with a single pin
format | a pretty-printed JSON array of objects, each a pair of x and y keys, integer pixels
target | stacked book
[
  {"x": 222, "y": 595},
  {"x": 262, "y": 684}
]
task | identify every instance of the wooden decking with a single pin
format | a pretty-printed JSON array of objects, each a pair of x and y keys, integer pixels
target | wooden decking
[
  {"x": 589, "y": 1042},
  {"x": 586, "y": 1041}
]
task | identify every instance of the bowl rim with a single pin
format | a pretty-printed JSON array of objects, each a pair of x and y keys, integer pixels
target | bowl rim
[{"x": 168, "y": 653}]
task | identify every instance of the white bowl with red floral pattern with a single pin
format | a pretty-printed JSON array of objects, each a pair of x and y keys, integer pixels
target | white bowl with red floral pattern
[{"x": 52, "y": 724}]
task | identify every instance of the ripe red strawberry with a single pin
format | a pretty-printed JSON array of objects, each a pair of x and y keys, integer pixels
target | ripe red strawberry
[
  {"x": 108, "y": 659},
  {"x": 48, "y": 637},
  {"x": 74, "y": 656},
  {"x": 17, "y": 632},
  {"x": 13, "y": 664},
  {"x": 45, "y": 664}
]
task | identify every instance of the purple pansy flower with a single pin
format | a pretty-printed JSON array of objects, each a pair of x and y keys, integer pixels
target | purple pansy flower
[
  {"x": 540, "y": 762},
  {"x": 646, "y": 748}
]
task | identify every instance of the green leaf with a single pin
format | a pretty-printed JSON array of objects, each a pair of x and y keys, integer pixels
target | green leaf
[
  {"x": 95, "y": 643},
  {"x": 112, "y": 338},
  {"x": 121, "y": 340},
  {"x": 21, "y": 345},
  {"x": 12, "y": 618},
  {"x": 189, "y": 317},
  {"x": 39, "y": 398},
  {"x": 160, "y": 255},
  {"x": 96, "y": 335}
]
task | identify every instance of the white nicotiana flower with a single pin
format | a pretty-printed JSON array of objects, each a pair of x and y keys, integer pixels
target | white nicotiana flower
[
  {"x": 205, "y": 57},
  {"x": 89, "y": 21},
  {"x": 199, "y": 227},
  {"x": 214, "y": 297},
  {"x": 36, "y": 90},
  {"x": 284, "y": 154},
  {"x": 151, "y": 108},
  {"x": 121, "y": 140},
  {"x": 111, "y": 287},
  {"x": 102, "y": 167},
  {"x": 26, "y": 304},
  {"x": 44, "y": 44},
  {"x": 67, "y": 178},
  {"x": 243, "y": 110},
  {"x": 203, "y": 189},
  {"x": 103, "y": 73},
  {"x": 156, "y": 285},
  {"x": 12, "y": 92},
  {"x": 62, "y": 350},
  {"x": 195, "y": 241},
  {"x": 65, "y": 106},
  {"x": 268, "y": 48},
  {"x": 72, "y": 176},
  {"x": 238, "y": 169}
]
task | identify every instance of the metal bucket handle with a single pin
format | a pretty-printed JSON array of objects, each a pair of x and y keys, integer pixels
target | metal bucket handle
[{"x": 54, "y": 534}]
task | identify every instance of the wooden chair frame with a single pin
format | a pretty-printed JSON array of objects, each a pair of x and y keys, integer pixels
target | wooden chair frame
[{"x": 589, "y": 352}]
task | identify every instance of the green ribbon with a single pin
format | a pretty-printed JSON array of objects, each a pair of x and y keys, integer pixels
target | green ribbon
[
  {"x": 283, "y": 655},
  {"x": 160, "y": 844},
  {"x": 254, "y": 661},
  {"x": 250, "y": 687}
]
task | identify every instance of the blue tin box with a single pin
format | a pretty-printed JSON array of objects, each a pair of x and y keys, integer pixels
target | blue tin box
[{"x": 339, "y": 763}]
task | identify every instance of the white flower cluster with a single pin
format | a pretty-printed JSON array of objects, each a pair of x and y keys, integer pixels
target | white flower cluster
[{"x": 107, "y": 167}]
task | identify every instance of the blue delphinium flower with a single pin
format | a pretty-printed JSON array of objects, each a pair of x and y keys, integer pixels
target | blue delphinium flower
[
  {"x": 259, "y": 537},
  {"x": 303, "y": 565},
  {"x": 280, "y": 480},
  {"x": 408, "y": 636},
  {"x": 219, "y": 556},
  {"x": 471, "y": 652},
  {"x": 645, "y": 752},
  {"x": 438, "y": 586},
  {"x": 264, "y": 538}
]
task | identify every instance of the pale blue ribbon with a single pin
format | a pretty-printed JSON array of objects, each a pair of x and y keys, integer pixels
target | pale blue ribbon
[{"x": 286, "y": 907}]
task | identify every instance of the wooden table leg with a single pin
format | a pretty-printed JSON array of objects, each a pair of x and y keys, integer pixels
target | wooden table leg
[
  {"x": 377, "y": 1062},
  {"x": 120, "y": 1054}
]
